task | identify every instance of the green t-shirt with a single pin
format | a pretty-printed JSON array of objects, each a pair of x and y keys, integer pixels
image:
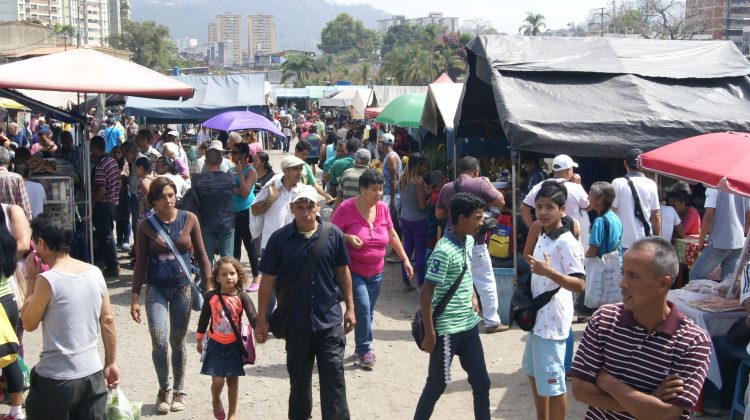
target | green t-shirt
[
  {"x": 338, "y": 168},
  {"x": 329, "y": 162},
  {"x": 307, "y": 175},
  {"x": 443, "y": 268}
]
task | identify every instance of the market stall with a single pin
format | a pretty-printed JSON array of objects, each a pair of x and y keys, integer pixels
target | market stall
[
  {"x": 213, "y": 95},
  {"x": 717, "y": 305},
  {"x": 80, "y": 71}
]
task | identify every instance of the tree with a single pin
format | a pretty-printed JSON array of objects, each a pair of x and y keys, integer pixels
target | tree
[
  {"x": 477, "y": 27},
  {"x": 399, "y": 36},
  {"x": 149, "y": 43},
  {"x": 410, "y": 65},
  {"x": 349, "y": 38},
  {"x": 300, "y": 65},
  {"x": 659, "y": 19},
  {"x": 533, "y": 24},
  {"x": 65, "y": 30}
]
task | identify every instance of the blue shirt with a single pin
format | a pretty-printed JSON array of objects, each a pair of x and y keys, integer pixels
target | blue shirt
[
  {"x": 20, "y": 138},
  {"x": 317, "y": 307},
  {"x": 112, "y": 137},
  {"x": 239, "y": 203},
  {"x": 613, "y": 237}
]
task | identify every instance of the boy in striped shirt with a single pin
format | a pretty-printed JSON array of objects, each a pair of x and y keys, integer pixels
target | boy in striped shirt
[
  {"x": 455, "y": 332},
  {"x": 642, "y": 358}
]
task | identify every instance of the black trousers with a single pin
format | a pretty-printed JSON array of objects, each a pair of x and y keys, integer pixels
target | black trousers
[
  {"x": 83, "y": 398},
  {"x": 103, "y": 221},
  {"x": 303, "y": 348},
  {"x": 468, "y": 347},
  {"x": 242, "y": 235}
]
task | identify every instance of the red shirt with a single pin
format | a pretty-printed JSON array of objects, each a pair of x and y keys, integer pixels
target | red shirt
[{"x": 691, "y": 222}]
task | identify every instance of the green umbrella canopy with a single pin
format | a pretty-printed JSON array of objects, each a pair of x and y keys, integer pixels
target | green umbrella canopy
[{"x": 404, "y": 111}]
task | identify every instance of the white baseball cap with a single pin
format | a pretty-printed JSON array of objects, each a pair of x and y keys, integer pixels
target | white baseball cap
[
  {"x": 304, "y": 191},
  {"x": 562, "y": 162}
]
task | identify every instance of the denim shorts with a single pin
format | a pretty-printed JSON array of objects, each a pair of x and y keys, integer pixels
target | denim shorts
[{"x": 543, "y": 359}]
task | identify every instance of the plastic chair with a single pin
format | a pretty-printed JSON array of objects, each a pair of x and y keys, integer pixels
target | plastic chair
[{"x": 738, "y": 399}]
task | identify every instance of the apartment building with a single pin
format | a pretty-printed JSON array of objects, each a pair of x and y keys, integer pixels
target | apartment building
[{"x": 261, "y": 35}]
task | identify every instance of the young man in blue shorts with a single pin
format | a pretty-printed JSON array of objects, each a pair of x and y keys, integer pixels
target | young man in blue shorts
[{"x": 556, "y": 264}]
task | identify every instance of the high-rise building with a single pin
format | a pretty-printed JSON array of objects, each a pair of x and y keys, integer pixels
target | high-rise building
[
  {"x": 91, "y": 20},
  {"x": 115, "y": 17},
  {"x": 261, "y": 35},
  {"x": 721, "y": 19},
  {"x": 46, "y": 12},
  {"x": 436, "y": 18},
  {"x": 227, "y": 28},
  {"x": 212, "y": 32}
]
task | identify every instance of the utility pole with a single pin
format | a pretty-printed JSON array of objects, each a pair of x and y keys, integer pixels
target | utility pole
[{"x": 601, "y": 20}]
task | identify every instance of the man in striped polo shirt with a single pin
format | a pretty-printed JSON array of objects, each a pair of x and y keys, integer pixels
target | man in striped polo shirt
[
  {"x": 349, "y": 181},
  {"x": 456, "y": 331},
  {"x": 105, "y": 195},
  {"x": 642, "y": 358}
]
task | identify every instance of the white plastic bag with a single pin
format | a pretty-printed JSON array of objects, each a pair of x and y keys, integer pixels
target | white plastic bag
[
  {"x": 256, "y": 225},
  {"x": 119, "y": 408},
  {"x": 603, "y": 276}
]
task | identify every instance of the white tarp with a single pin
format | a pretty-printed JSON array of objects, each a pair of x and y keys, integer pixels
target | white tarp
[
  {"x": 384, "y": 94},
  {"x": 441, "y": 106}
]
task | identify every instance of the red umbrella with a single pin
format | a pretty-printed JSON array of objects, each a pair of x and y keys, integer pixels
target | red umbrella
[
  {"x": 719, "y": 160},
  {"x": 89, "y": 71}
]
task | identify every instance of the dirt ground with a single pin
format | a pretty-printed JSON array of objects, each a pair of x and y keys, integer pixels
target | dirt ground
[{"x": 389, "y": 391}]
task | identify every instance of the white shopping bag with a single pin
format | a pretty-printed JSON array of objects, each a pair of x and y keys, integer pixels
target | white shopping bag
[{"x": 603, "y": 280}]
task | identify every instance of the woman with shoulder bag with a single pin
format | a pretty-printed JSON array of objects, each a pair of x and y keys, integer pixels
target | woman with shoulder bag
[
  {"x": 15, "y": 237},
  {"x": 169, "y": 292}
]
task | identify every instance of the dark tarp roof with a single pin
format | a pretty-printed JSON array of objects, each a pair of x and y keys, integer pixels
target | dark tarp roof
[
  {"x": 213, "y": 95},
  {"x": 602, "y": 96}
]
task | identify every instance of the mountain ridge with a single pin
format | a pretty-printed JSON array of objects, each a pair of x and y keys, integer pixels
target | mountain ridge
[{"x": 298, "y": 22}]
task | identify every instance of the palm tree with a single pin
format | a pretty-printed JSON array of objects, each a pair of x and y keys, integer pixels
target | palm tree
[
  {"x": 410, "y": 65},
  {"x": 299, "y": 65},
  {"x": 533, "y": 24}
]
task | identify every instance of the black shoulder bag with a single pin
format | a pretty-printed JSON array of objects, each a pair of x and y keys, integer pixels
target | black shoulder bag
[
  {"x": 417, "y": 324},
  {"x": 279, "y": 322},
  {"x": 638, "y": 209}
]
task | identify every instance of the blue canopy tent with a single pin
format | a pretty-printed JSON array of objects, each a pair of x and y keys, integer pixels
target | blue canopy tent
[{"x": 213, "y": 95}]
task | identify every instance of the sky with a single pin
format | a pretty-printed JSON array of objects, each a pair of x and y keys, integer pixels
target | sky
[{"x": 505, "y": 15}]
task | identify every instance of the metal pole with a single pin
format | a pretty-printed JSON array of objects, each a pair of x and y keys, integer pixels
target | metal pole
[{"x": 513, "y": 159}]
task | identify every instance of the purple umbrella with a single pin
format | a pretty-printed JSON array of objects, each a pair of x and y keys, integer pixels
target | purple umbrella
[{"x": 242, "y": 120}]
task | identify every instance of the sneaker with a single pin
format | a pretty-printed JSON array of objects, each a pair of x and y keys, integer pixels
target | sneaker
[
  {"x": 367, "y": 360},
  {"x": 126, "y": 247},
  {"x": 162, "y": 402},
  {"x": 253, "y": 287},
  {"x": 496, "y": 328},
  {"x": 408, "y": 288},
  {"x": 12, "y": 417},
  {"x": 178, "y": 402}
]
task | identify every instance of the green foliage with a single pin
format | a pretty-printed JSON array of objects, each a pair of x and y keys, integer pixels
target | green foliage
[
  {"x": 64, "y": 30},
  {"x": 533, "y": 24},
  {"x": 421, "y": 56},
  {"x": 149, "y": 43},
  {"x": 348, "y": 38},
  {"x": 399, "y": 36},
  {"x": 300, "y": 65}
]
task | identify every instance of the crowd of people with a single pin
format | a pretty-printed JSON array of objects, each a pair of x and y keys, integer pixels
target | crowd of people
[{"x": 187, "y": 213}]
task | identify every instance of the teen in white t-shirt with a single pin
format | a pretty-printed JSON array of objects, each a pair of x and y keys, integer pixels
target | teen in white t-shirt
[{"x": 670, "y": 223}]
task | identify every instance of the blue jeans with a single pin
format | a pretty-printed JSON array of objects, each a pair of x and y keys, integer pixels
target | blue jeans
[
  {"x": 711, "y": 258},
  {"x": 365, "y": 291},
  {"x": 171, "y": 303},
  {"x": 217, "y": 240},
  {"x": 568, "y": 365},
  {"x": 468, "y": 347}
]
